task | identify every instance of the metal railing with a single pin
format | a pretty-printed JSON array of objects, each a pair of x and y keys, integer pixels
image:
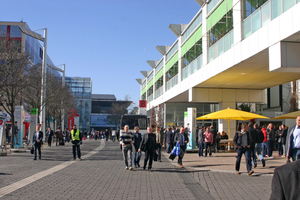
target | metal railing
[
  {"x": 194, "y": 66},
  {"x": 159, "y": 92},
  {"x": 172, "y": 82}
]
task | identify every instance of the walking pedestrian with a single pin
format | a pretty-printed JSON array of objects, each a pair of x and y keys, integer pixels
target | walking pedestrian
[
  {"x": 137, "y": 142},
  {"x": 37, "y": 142},
  {"x": 169, "y": 140},
  {"x": 258, "y": 145},
  {"x": 182, "y": 138},
  {"x": 159, "y": 142},
  {"x": 50, "y": 136},
  {"x": 107, "y": 134},
  {"x": 208, "y": 141},
  {"x": 148, "y": 145},
  {"x": 293, "y": 142},
  {"x": 253, "y": 134},
  {"x": 264, "y": 144},
  {"x": 127, "y": 141},
  {"x": 242, "y": 141},
  {"x": 76, "y": 142},
  {"x": 270, "y": 140},
  {"x": 201, "y": 141}
]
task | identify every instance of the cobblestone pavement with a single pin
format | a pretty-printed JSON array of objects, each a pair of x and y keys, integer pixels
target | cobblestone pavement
[
  {"x": 217, "y": 176},
  {"x": 100, "y": 175}
]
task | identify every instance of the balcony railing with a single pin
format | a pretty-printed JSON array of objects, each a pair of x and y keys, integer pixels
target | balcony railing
[
  {"x": 194, "y": 66},
  {"x": 266, "y": 13},
  {"x": 220, "y": 47},
  {"x": 150, "y": 98},
  {"x": 172, "y": 82},
  {"x": 159, "y": 92}
]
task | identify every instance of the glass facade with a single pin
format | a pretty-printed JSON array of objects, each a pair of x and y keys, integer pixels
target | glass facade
[
  {"x": 263, "y": 14},
  {"x": 212, "y": 4},
  {"x": 249, "y": 6},
  {"x": 191, "y": 28},
  {"x": 82, "y": 89},
  {"x": 175, "y": 112},
  {"x": 174, "y": 48}
]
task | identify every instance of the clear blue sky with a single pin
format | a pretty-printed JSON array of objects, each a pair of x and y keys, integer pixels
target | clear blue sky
[{"x": 108, "y": 40}]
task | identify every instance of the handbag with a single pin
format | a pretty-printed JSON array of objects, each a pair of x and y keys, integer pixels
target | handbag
[
  {"x": 32, "y": 150},
  {"x": 172, "y": 156}
]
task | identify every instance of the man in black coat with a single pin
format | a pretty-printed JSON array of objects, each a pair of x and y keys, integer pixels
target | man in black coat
[
  {"x": 50, "y": 136},
  {"x": 253, "y": 134},
  {"x": 37, "y": 141},
  {"x": 182, "y": 138},
  {"x": 286, "y": 182},
  {"x": 214, "y": 133}
]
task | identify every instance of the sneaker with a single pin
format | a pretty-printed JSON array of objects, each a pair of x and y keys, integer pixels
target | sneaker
[
  {"x": 126, "y": 168},
  {"x": 181, "y": 166},
  {"x": 251, "y": 172},
  {"x": 263, "y": 163},
  {"x": 79, "y": 159},
  {"x": 237, "y": 172},
  {"x": 159, "y": 160}
]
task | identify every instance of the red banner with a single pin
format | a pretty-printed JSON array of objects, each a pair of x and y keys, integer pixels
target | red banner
[{"x": 143, "y": 103}]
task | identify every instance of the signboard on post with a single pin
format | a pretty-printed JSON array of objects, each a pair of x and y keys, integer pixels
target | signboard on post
[
  {"x": 2, "y": 138},
  {"x": 191, "y": 124},
  {"x": 19, "y": 118}
]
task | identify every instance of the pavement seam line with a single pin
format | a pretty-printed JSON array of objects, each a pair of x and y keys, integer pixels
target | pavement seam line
[{"x": 26, "y": 181}]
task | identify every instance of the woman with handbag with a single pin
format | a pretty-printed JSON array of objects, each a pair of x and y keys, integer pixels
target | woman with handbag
[{"x": 148, "y": 145}]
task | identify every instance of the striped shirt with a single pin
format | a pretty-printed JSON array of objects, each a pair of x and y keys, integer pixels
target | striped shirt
[{"x": 126, "y": 138}]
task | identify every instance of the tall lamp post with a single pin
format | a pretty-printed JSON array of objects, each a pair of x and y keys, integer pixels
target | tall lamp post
[
  {"x": 63, "y": 84},
  {"x": 44, "y": 64}
]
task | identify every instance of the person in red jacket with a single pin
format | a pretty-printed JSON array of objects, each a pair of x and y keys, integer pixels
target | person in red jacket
[{"x": 264, "y": 144}]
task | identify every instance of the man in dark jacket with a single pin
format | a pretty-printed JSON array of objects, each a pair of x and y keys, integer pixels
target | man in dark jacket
[
  {"x": 253, "y": 134},
  {"x": 286, "y": 182},
  {"x": 148, "y": 145},
  {"x": 182, "y": 138},
  {"x": 270, "y": 139},
  {"x": 37, "y": 141},
  {"x": 50, "y": 136},
  {"x": 137, "y": 138},
  {"x": 201, "y": 141},
  {"x": 278, "y": 135},
  {"x": 169, "y": 140},
  {"x": 242, "y": 141},
  {"x": 214, "y": 133},
  {"x": 293, "y": 142}
]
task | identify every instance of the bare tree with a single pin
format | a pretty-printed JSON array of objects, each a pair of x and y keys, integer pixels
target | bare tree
[
  {"x": 117, "y": 110},
  {"x": 14, "y": 66},
  {"x": 153, "y": 117}
]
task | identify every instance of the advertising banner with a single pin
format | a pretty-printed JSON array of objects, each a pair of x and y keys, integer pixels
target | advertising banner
[
  {"x": 191, "y": 120},
  {"x": 99, "y": 120},
  {"x": 2, "y": 133},
  {"x": 19, "y": 134},
  {"x": 33, "y": 122}
]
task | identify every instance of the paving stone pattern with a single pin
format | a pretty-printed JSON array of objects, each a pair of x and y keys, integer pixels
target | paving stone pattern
[{"x": 100, "y": 176}]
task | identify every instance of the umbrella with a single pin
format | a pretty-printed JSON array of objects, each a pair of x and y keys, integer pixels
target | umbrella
[
  {"x": 231, "y": 114},
  {"x": 292, "y": 115}
]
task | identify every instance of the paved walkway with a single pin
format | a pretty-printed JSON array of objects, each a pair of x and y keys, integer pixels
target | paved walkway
[
  {"x": 100, "y": 175},
  {"x": 217, "y": 176}
]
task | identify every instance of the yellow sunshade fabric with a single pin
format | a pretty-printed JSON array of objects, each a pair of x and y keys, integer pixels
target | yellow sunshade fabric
[
  {"x": 292, "y": 115},
  {"x": 231, "y": 114}
]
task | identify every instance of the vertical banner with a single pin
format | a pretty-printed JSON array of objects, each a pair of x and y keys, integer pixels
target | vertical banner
[
  {"x": 33, "y": 122},
  {"x": 19, "y": 134},
  {"x": 2, "y": 134},
  {"x": 191, "y": 120}
]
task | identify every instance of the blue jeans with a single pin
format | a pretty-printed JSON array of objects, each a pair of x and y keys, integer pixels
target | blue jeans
[
  {"x": 240, "y": 152},
  {"x": 200, "y": 151},
  {"x": 264, "y": 149},
  {"x": 258, "y": 151},
  {"x": 136, "y": 158},
  {"x": 207, "y": 147},
  {"x": 169, "y": 148},
  {"x": 295, "y": 154}
]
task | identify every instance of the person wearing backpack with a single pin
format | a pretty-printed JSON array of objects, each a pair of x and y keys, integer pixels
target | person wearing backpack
[{"x": 258, "y": 145}]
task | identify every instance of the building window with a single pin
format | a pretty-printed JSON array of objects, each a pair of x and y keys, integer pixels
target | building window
[
  {"x": 249, "y": 6},
  {"x": 224, "y": 26},
  {"x": 192, "y": 53},
  {"x": 173, "y": 71}
]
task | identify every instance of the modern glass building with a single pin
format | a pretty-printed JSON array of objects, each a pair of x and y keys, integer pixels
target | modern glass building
[
  {"x": 28, "y": 43},
  {"x": 82, "y": 89},
  {"x": 231, "y": 52}
]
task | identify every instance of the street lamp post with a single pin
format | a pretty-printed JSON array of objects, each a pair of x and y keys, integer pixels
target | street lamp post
[
  {"x": 44, "y": 64},
  {"x": 63, "y": 84}
]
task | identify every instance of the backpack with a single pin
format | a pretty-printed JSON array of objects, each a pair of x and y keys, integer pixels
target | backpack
[{"x": 260, "y": 136}]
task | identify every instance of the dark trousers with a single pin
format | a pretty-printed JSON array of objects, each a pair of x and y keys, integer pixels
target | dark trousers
[
  {"x": 270, "y": 147},
  {"x": 149, "y": 154},
  {"x": 180, "y": 157},
  {"x": 106, "y": 137},
  {"x": 49, "y": 141},
  {"x": 37, "y": 147},
  {"x": 252, "y": 155},
  {"x": 200, "y": 151},
  {"x": 158, "y": 151},
  {"x": 207, "y": 147},
  {"x": 76, "y": 146},
  {"x": 280, "y": 149},
  {"x": 240, "y": 152},
  {"x": 169, "y": 147}
]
